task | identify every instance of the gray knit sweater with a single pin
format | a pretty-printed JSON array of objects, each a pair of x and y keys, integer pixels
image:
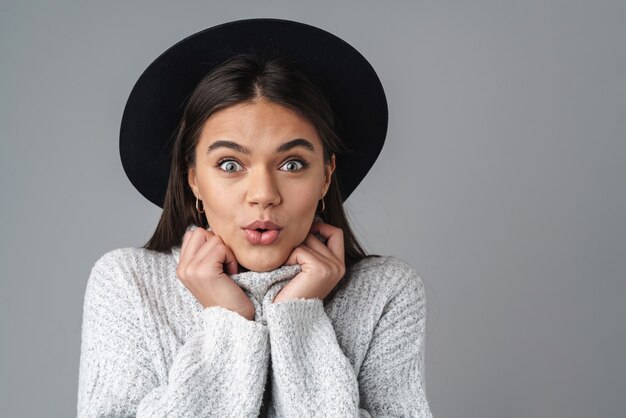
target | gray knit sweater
[{"x": 149, "y": 349}]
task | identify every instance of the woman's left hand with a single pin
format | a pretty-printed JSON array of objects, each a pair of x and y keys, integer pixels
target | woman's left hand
[{"x": 323, "y": 266}]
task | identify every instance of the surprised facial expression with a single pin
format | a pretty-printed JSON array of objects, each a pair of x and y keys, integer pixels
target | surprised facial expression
[{"x": 260, "y": 161}]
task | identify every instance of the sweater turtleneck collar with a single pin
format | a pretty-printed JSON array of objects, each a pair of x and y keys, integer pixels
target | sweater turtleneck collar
[{"x": 256, "y": 283}]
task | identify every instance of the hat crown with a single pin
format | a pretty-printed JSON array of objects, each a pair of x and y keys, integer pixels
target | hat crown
[{"x": 156, "y": 103}]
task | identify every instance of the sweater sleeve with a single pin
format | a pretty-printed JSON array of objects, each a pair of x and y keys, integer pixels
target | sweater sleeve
[
  {"x": 313, "y": 377},
  {"x": 391, "y": 378},
  {"x": 219, "y": 371}
]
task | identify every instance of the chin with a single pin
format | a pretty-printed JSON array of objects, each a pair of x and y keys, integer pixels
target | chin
[{"x": 261, "y": 263}]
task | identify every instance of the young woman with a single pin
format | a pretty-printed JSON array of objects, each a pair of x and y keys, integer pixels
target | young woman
[{"x": 253, "y": 297}]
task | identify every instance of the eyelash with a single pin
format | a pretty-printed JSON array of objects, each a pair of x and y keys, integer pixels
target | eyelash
[{"x": 302, "y": 162}]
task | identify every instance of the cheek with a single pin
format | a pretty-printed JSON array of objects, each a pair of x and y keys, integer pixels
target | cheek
[
  {"x": 220, "y": 205},
  {"x": 303, "y": 219}
]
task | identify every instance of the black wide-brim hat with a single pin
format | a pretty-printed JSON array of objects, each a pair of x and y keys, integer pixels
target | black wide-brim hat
[{"x": 156, "y": 103}]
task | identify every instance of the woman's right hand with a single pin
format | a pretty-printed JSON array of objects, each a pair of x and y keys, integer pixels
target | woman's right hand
[{"x": 203, "y": 257}]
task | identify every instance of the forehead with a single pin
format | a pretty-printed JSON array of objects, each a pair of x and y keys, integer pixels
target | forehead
[{"x": 258, "y": 125}]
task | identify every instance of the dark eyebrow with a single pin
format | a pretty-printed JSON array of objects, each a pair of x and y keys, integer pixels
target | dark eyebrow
[
  {"x": 296, "y": 143},
  {"x": 228, "y": 144},
  {"x": 299, "y": 142}
]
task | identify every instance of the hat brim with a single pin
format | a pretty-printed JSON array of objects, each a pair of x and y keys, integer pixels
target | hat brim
[{"x": 156, "y": 102}]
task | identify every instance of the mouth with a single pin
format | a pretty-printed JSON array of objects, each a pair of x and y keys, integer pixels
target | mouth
[
  {"x": 263, "y": 225},
  {"x": 261, "y": 232},
  {"x": 261, "y": 236}
]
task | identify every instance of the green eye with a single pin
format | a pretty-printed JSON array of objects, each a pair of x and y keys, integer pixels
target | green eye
[{"x": 230, "y": 166}]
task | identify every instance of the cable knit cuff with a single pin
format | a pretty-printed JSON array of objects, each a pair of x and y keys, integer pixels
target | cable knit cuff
[
  {"x": 311, "y": 375},
  {"x": 295, "y": 315},
  {"x": 230, "y": 328}
]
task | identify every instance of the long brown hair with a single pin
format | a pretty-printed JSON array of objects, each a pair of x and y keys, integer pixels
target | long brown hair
[{"x": 245, "y": 78}]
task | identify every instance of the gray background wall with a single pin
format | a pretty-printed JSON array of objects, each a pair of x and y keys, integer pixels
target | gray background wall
[{"x": 502, "y": 182}]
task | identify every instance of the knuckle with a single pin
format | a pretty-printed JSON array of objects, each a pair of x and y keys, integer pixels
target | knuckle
[
  {"x": 187, "y": 272},
  {"x": 204, "y": 271},
  {"x": 213, "y": 239},
  {"x": 325, "y": 270}
]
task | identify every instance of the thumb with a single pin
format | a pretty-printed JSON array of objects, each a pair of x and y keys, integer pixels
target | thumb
[
  {"x": 230, "y": 262},
  {"x": 293, "y": 257}
]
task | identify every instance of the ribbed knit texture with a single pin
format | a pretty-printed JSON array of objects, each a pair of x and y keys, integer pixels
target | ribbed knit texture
[{"x": 149, "y": 349}]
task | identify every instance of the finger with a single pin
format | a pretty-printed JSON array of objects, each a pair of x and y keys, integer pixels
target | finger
[
  {"x": 301, "y": 255},
  {"x": 323, "y": 254},
  {"x": 318, "y": 246},
  {"x": 197, "y": 239},
  {"x": 207, "y": 233},
  {"x": 194, "y": 241},
  {"x": 304, "y": 255},
  {"x": 232, "y": 266},
  {"x": 222, "y": 255},
  {"x": 228, "y": 258},
  {"x": 203, "y": 252},
  {"x": 327, "y": 257},
  {"x": 183, "y": 245},
  {"x": 185, "y": 240},
  {"x": 334, "y": 238},
  {"x": 188, "y": 232}
]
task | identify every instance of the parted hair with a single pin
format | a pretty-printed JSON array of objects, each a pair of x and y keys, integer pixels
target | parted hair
[{"x": 246, "y": 78}]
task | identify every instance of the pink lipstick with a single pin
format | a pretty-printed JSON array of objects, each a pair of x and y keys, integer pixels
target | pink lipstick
[{"x": 261, "y": 232}]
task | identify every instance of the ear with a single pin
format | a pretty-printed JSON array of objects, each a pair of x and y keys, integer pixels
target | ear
[
  {"x": 328, "y": 173},
  {"x": 191, "y": 179}
]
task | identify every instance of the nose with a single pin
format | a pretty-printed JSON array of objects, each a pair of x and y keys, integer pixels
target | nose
[{"x": 262, "y": 188}]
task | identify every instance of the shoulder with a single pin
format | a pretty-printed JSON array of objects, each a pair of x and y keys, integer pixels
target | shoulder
[
  {"x": 384, "y": 266},
  {"x": 122, "y": 275},
  {"x": 389, "y": 274},
  {"x": 129, "y": 257},
  {"x": 117, "y": 256},
  {"x": 128, "y": 264},
  {"x": 120, "y": 259}
]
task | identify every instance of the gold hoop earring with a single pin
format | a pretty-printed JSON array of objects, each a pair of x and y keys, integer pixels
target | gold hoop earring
[{"x": 198, "y": 210}]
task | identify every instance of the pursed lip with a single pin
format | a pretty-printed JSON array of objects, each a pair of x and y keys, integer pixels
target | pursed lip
[{"x": 258, "y": 224}]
